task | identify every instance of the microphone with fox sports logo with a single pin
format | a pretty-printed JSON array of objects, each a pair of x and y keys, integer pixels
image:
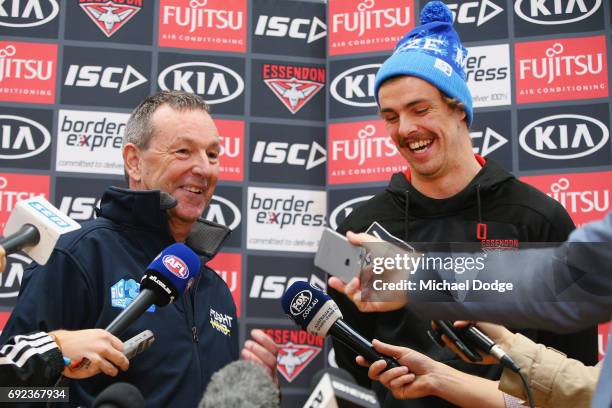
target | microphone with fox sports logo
[
  {"x": 165, "y": 279},
  {"x": 35, "y": 226},
  {"x": 314, "y": 311}
]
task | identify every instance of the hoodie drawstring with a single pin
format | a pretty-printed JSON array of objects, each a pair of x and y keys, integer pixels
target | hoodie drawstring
[
  {"x": 406, "y": 229},
  {"x": 481, "y": 227}
]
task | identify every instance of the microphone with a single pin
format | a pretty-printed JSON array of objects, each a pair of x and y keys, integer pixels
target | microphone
[
  {"x": 35, "y": 226},
  {"x": 241, "y": 383},
  {"x": 119, "y": 395},
  {"x": 314, "y": 311},
  {"x": 483, "y": 342},
  {"x": 336, "y": 388},
  {"x": 165, "y": 279}
]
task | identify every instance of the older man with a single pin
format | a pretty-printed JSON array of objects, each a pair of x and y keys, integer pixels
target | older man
[
  {"x": 171, "y": 156},
  {"x": 448, "y": 194}
]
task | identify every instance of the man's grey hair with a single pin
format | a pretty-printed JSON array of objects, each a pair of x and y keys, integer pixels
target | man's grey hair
[{"x": 139, "y": 129}]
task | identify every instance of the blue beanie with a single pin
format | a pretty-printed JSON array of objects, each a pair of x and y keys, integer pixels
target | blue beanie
[{"x": 433, "y": 52}]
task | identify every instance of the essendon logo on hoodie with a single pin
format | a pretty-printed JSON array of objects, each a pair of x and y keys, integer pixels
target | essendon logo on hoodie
[
  {"x": 203, "y": 24},
  {"x": 293, "y": 85},
  {"x": 231, "y": 137},
  {"x": 585, "y": 196},
  {"x": 229, "y": 268},
  {"x": 368, "y": 25},
  {"x": 361, "y": 152},
  {"x": 110, "y": 16},
  {"x": 297, "y": 349},
  {"x": 561, "y": 69},
  {"x": 27, "y": 72}
]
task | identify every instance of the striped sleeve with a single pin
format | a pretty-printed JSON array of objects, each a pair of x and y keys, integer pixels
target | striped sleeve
[{"x": 30, "y": 360}]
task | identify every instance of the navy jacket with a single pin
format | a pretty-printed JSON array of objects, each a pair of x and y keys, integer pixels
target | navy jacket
[{"x": 194, "y": 337}]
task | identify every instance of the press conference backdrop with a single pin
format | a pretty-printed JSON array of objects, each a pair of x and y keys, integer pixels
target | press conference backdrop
[{"x": 290, "y": 84}]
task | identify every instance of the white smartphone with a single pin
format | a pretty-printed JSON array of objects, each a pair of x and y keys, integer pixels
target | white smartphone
[
  {"x": 337, "y": 256},
  {"x": 138, "y": 344}
]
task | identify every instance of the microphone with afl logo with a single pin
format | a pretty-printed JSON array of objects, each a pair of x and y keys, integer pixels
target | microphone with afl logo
[
  {"x": 35, "y": 226},
  {"x": 314, "y": 311},
  {"x": 166, "y": 278}
]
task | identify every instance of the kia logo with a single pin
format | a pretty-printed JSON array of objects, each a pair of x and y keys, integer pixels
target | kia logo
[
  {"x": 176, "y": 265},
  {"x": 29, "y": 10},
  {"x": 11, "y": 278},
  {"x": 213, "y": 82},
  {"x": 22, "y": 137},
  {"x": 223, "y": 211},
  {"x": 343, "y": 210},
  {"x": 355, "y": 86},
  {"x": 551, "y": 137},
  {"x": 535, "y": 8}
]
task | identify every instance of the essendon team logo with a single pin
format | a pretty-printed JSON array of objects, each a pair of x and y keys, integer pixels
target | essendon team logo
[
  {"x": 109, "y": 16},
  {"x": 293, "y": 93},
  {"x": 294, "y": 86},
  {"x": 561, "y": 69},
  {"x": 293, "y": 358}
]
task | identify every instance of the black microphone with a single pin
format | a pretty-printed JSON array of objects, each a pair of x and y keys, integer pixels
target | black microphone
[
  {"x": 241, "y": 383},
  {"x": 168, "y": 276},
  {"x": 119, "y": 395},
  {"x": 484, "y": 343},
  {"x": 315, "y": 312}
]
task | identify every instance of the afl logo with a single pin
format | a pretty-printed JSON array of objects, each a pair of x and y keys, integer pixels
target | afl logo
[{"x": 176, "y": 265}]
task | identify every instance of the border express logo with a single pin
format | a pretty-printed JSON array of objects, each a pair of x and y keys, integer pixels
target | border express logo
[
  {"x": 124, "y": 292},
  {"x": 294, "y": 86},
  {"x": 285, "y": 219},
  {"x": 109, "y": 17}
]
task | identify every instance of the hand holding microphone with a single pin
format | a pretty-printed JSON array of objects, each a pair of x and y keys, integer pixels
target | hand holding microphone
[{"x": 314, "y": 311}]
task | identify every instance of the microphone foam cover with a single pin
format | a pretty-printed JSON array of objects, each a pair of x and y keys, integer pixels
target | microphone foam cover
[
  {"x": 120, "y": 395},
  {"x": 242, "y": 384},
  {"x": 178, "y": 264}
]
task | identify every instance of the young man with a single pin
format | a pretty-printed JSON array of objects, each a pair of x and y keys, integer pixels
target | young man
[
  {"x": 447, "y": 195},
  {"x": 171, "y": 149}
]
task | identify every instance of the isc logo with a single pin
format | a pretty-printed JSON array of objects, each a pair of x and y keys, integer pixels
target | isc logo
[
  {"x": 79, "y": 208},
  {"x": 89, "y": 76},
  {"x": 273, "y": 287},
  {"x": 281, "y": 152},
  {"x": 176, "y": 266},
  {"x": 275, "y": 26}
]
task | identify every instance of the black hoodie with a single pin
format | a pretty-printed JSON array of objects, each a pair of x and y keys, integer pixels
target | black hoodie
[{"x": 510, "y": 209}]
